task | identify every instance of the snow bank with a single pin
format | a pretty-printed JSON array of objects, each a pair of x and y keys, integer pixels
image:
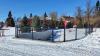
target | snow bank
[{"x": 9, "y": 31}]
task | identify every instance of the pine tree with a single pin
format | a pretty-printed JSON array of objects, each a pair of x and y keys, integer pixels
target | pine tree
[
  {"x": 45, "y": 24},
  {"x": 45, "y": 15},
  {"x": 36, "y": 22},
  {"x": 30, "y": 20},
  {"x": 97, "y": 4},
  {"x": 25, "y": 27},
  {"x": 25, "y": 21},
  {"x": 61, "y": 25},
  {"x": 70, "y": 25},
  {"x": 31, "y": 15},
  {"x": 97, "y": 11},
  {"x": 10, "y": 21}
]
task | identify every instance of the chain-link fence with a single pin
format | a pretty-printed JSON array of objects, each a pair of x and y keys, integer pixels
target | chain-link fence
[{"x": 49, "y": 34}]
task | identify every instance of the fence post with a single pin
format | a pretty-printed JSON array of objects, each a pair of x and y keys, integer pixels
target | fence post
[
  {"x": 19, "y": 31},
  {"x": 91, "y": 28},
  {"x": 52, "y": 35},
  {"x": 85, "y": 31},
  {"x": 76, "y": 33},
  {"x": 32, "y": 33},
  {"x": 16, "y": 32},
  {"x": 64, "y": 34}
]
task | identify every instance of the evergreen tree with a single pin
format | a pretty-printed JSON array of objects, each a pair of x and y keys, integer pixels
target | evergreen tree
[
  {"x": 70, "y": 25},
  {"x": 97, "y": 11},
  {"x": 36, "y": 22},
  {"x": 25, "y": 27},
  {"x": 97, "y": 4},
  {"x": 25, "y": 21},
  {"x": 30, "y": 20},
  {"x": 31, "y": 15},
  {"x": 61, "y": 25},
  {"x": 10, "y": 21},
  {"x": 45, "y": 24},
  {"x": 45, "y": 15}
]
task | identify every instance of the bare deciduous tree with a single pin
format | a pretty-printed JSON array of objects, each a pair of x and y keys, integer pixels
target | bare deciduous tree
[
  {"x": 88, "y": 13},
  {"x": 79, "y": 16}
]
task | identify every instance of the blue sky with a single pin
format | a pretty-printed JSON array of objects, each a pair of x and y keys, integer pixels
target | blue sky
[{"x": 38, "y": 7}]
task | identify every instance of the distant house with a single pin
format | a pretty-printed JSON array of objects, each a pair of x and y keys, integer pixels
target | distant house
[{"x": 68, "y": 18}]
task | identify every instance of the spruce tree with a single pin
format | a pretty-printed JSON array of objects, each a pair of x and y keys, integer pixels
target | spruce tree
[
  {"x": 31, "y": 15},
  {"x": 97, "y": 8},
  {"x": 25, "y": 27},
  {"x": 45, "y": 24},
  {"x": 10, "y": 21},
  {"x": 97, "y": 4},
  {"x": 61, "y": 25},
  {"x": 70, "y": 25},
  {"x": 36, "y": 22}
]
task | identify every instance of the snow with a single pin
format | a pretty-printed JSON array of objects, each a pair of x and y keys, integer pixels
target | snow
[{"x": 11, "y": 46}]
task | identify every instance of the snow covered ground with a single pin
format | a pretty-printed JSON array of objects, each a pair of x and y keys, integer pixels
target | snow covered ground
[{"x": 10, "y": 46}]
